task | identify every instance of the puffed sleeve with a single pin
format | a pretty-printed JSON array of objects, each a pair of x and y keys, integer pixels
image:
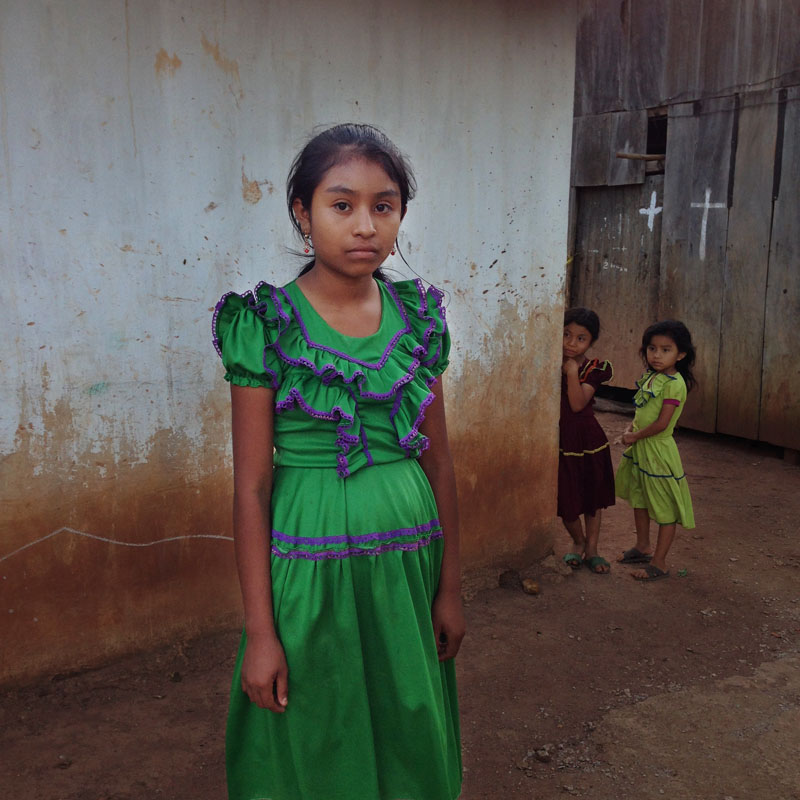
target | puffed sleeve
[
  {"x": 243, "y": 337},
  {"x": 674, "y": 390},
  {"x": 598, "y": 372}
]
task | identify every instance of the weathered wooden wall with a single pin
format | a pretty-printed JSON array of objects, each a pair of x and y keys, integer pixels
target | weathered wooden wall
[{"x": 727, "y": 74}]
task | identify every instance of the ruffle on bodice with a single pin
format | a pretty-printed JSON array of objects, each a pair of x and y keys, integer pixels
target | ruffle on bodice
[
  {"x": 657, "y": 384},
  {"x": 263, "y": 340}
]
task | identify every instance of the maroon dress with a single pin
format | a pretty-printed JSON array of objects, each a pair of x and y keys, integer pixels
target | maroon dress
[{"x": 585, "y": 471}]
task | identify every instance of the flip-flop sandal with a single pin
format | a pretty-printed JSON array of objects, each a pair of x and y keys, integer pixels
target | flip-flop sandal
[
  {"x": 573, "y": 560},
  {"x": 597, "y": 561},
  {"x": 653, "y": 574},
  {"x": 634, "y": 556}
]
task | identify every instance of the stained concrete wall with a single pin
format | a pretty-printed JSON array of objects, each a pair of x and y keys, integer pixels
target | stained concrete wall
[{"x": 145, "y": 145}]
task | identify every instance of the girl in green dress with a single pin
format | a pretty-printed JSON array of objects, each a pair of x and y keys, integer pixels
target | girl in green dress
[
  {"x": 345, "y": 518},
  {"x": 650, "y": 476}
]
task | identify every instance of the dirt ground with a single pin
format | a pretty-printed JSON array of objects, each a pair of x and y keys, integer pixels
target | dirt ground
[{"x": 596, "y": 687}]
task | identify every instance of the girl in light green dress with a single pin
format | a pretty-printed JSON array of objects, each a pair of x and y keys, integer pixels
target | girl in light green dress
[
  {"x": 345, "y": 515},
  {"x": 650, "y": 476}
]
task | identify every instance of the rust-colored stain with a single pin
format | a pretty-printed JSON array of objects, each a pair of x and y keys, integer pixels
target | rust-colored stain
[
  {"x": 503, "y": 428},
  {"x": 166, "y": 66},
  {"x": 228, "y": 65},
  {"x": 251, "y": 191},
  {"x": 70, "y": 600},
  {"x": 127, "y": 248}
]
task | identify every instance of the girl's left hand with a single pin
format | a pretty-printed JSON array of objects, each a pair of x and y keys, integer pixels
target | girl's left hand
[
  {"x": 628, "y": 437},
  {"x": 448, "y": 624}
]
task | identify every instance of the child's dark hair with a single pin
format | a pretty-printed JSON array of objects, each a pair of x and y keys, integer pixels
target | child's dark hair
[
  {"x": 679, "y": 334},
  {"x": 584, "y": 317},
  {"x": 338, "y": 145}
]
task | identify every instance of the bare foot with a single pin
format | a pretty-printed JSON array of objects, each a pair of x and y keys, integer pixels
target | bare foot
[{"x": 650, "y": 572}]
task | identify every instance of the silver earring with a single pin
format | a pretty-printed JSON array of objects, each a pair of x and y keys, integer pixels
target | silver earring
[{"x": 308, "y": 245}]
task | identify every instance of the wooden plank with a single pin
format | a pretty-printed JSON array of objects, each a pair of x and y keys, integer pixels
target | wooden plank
[
  {"x": 629, "y": 135},
  {"x": 682, "y": 56},
  {"x": 591, "y": 143},
  {"x": 646, "y": 55},
  {"x": 757, "y": 48},
  {"x": 616, "y": 266},
  {"x": 780, "y": 382},
  {"x": 747, "y": 258},
  {"x": 600, "y": 55},
  {"x": 719, "y": 36},
  {"x": 788, "y": 58},
  {"x": 693, "y": 239}
]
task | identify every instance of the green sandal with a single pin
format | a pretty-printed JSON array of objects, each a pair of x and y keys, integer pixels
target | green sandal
[
  {"x": 597, "y": 561},
  {"x": 572, "y": 560}
]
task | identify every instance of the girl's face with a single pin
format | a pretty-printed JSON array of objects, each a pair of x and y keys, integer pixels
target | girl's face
[
  {"x": 662, "y": 354},
  {"x": 577, "y": 340},
  {"x": 354, "y": 218}
]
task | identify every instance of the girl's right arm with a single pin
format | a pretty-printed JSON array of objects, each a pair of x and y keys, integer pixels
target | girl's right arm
[
  {"x": 264, "y": 668},
  {"x": 667, "y": 410}
]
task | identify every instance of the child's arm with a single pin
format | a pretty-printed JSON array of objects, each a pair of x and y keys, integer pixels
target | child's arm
[
  {"x": 578, "y": 394},
  {"x": 437, "y": 463},
  {"x": 264, "y": 669},
  {"x": 667, "y": 410}
]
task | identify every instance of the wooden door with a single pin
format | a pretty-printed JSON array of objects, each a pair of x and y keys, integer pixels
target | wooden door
[{"x": 615, "y": 268}]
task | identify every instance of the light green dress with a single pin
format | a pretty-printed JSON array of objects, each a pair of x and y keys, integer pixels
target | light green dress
[
  {"x": 650, "y": 474},
  {"x": 356, "y": 554}
]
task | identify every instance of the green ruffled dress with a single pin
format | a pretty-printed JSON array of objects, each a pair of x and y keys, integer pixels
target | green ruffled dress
[
  {"x": 650, "y": 474},
  {"x": 356, "y": 554}
]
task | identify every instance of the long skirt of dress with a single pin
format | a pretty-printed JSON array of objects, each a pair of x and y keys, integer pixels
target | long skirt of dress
[
  {"x": 372, "y": 713},
  {"x": 651, "y": 476},
  {"x": 585, "y": 470}
]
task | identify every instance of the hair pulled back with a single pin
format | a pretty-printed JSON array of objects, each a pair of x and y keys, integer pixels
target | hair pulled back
[
  {"x": 584, "y": 317},
  {"x": 340, "y": 144},
  {"x": 679, "y": 334}
]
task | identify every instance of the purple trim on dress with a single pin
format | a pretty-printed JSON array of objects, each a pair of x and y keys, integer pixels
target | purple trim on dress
[
  {"x": 405, "y": 442},
  {"x": 316, "y": 346},
  {"x": 328, "y": 372},
  {"x": 344, "y": 440},
  {"x": 362, "y": 538},
  {"x": 295, "y": 398},
  {"x": 423, "y": 309},
  {"x": 398, "y": 400},
  {"x": 217, "y": 308},
  {"x": 357, "y": 551}
]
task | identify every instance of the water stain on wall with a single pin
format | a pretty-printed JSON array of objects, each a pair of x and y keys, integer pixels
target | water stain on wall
[
  {"x": 228, "y": 65},
  {"x": 166, "y": 66},
  {"x": 251, "y": 191}
]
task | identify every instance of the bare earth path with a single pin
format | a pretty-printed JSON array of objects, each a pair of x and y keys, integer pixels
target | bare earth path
[{"x": 597, "y": 687}]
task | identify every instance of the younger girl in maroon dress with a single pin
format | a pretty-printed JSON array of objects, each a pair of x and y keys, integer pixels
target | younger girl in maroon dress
[{"x": 585, "y": 472}]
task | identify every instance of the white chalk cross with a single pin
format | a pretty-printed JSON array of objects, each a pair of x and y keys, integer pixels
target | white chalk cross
[
  {"x": 651, "y": 212},
  {"x": 704, "y": 224}
]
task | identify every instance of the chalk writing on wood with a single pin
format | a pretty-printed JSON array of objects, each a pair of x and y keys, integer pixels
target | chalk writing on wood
[{"x": 706, "y": 205}]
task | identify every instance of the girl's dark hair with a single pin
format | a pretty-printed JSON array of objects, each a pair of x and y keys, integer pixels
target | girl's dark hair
[
  {"x": 584, "y": 317},
  {"x": 337, "y": 145},
  {"x": 679, "y": 334}
]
